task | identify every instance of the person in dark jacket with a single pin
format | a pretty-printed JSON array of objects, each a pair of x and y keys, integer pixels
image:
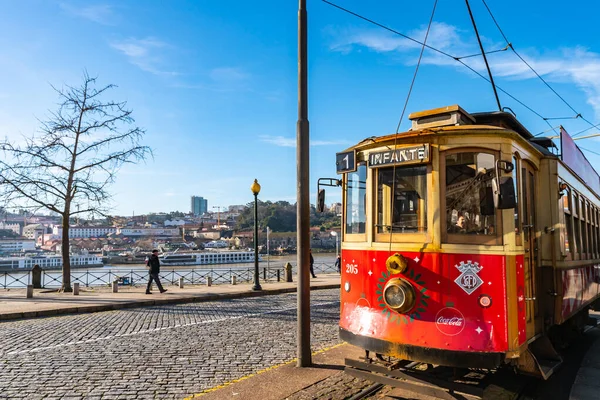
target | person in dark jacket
[
  {"x": 338, "y": 264},
  {"x": 154, "y": 265},
  {"x": 312, "y": 262}
]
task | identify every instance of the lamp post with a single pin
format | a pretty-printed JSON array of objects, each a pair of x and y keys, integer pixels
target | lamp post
[{"x": 255, "y": 190}]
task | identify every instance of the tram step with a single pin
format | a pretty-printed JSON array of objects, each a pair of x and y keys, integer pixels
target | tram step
[{"x": 545, "y": 356}]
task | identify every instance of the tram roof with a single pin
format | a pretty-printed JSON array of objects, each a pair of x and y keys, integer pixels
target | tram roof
[{"x": 454, "y": 118}]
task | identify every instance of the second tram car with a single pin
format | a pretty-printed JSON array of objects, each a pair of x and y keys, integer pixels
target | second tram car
[{"x": 467, "y": 242}]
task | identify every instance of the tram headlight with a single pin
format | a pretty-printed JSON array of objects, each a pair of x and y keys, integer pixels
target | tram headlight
[
  {"x": 396, "y": 263},
  {"x": 399, "y": 295}
]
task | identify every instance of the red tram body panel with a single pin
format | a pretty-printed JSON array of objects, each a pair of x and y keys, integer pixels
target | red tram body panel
[{"x": 449, "y": 314}]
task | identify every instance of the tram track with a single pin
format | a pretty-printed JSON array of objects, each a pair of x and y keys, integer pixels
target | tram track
[{"x": 428, "y": 381}]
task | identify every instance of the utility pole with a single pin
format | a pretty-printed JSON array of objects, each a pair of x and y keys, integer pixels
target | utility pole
[{"x": 303, "y": 201}]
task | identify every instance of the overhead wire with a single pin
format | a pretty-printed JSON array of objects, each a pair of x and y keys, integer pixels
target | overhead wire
[
  {"x": 577, "y": 114},
  {"x": 458, "y": 59},
  {"x": 412, "y": 83}
]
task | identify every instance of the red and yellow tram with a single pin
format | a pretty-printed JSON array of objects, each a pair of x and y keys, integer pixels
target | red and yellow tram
[{"x": 467, "y": 242}]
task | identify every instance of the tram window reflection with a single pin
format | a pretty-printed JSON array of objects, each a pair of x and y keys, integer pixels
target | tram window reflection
[
  {"x": 402, "y": 200},
  {"x": 356, "y": 212},
  {"x": 469, "y": 199}
]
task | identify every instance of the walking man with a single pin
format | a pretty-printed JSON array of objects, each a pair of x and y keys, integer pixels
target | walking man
[
  {"x": 154, "y": 265},
  {"x": 312, "y": 263},
  {"x": 338, "y": 265}
]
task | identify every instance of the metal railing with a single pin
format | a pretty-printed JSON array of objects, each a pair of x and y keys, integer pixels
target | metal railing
[{"x": 195, "y": 276}]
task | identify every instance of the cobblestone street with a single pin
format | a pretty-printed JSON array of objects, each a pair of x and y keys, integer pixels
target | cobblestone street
[{"x": 166, "y": 351}]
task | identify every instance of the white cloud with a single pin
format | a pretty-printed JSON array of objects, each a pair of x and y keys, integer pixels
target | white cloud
[
  {"x": 100, "y": 13},
  {"x": 291, "y": 142},
  {"x": 572, "y": 65},
  {"x": 278, "y": 140},
  {"x": 228, "y": 74},
  {"x": 144, "y": 54}
]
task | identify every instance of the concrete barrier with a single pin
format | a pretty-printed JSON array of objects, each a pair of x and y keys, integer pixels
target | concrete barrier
[
  {"x": 115, "y": 287},
  {"x": 288, "y": 272},
  {"x": 234, "y": 280},
  {"x": 208, "y": 281},
  {"x": 29, "y": 291},
  {"x": 76, "y": 289},
  {"x": 181, "y": 282}
]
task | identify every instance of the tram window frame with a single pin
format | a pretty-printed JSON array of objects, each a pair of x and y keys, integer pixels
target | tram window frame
[
  {"x": 461, "y": 238},
  {"x": 589, "y": 229},
  {"x": 349, "y": 234},
  {"x": 380, "y": 235},
  {"x": 583, "y": 222},
  {"x": 516, "y": 174},
  {"x": 595, "y": 229},
  {"x": 567, "y": 241},
  {"x": 596, "y": 255},
  {"x": 591, "y": 233},
  {"x": 577, "y": 224}
]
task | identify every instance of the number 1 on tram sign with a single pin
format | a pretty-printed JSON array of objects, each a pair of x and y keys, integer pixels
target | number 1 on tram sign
[{"x": 345, "y": 162}]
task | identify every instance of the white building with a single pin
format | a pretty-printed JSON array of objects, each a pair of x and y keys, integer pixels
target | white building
[
  {"x": 164, "y": 232},
  {"x": 33, "y": 231},
  {"x": 16, "y": 228},
  {"x": 216, "y": 244},
  {"x": 84, "y": 231},
  {"x": 175, "y": 222},
  {"x": 16, "y": 245}
]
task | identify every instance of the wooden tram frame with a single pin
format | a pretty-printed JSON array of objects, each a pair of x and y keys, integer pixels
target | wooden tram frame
[{"x": 555, "y": 237}]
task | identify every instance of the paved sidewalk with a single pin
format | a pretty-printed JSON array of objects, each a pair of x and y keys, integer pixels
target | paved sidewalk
[
  {"x": 587, "y": 382},
  {"x": 15, "y": 305},
  {"x": 325, "y": 379}
]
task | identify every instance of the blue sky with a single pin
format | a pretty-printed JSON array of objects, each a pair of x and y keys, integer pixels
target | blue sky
[{"x": 214, "y": 83}]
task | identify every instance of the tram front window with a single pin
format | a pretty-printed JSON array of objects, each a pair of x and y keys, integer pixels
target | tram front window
[
  {"x": 356, "y": 212},
  {"x": 402, "y": 200},
  {"x": 469, "y": 200}
]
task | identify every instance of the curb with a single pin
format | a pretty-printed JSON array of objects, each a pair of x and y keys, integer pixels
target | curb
[{"x": 145, "y": 303}]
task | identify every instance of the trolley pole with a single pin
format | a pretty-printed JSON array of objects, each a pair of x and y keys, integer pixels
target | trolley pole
[{"x": 303, "y": 205}]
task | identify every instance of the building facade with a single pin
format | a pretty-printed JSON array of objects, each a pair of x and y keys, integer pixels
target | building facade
[
  {"x": 85, "y": 231},
  {"x": 152, "y": 232},
  {"x": 16, "y": 245},
  {"x": 199, "y": 205}
]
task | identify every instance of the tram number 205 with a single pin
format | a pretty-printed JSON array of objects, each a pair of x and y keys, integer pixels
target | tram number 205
[{"x": 351, "y": 269}]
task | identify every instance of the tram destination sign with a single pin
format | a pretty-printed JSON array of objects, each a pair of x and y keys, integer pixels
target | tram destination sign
[{"x": 404, "y": 155}]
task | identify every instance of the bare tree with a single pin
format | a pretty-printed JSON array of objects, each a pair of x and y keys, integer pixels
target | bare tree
[{"x": 68, "y": 166}]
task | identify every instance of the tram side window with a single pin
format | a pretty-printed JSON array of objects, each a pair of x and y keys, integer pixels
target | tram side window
[
  {"x": 568, "y": 222},
  {"x": 516, "y": 180},
  {"x": 469, "y": 200},
  {"x": 576, "y": 224},
  {"x": 356, "y": 191},
  {"x": 402, "y": 200}
]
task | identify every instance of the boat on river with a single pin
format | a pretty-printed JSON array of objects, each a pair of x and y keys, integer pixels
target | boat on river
[
  {"x": 49, "y": 262},
  {"x": 207, "y": 257}
]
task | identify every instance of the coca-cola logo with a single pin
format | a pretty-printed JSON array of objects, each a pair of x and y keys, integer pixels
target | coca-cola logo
[{"x": 450, "y": 321}]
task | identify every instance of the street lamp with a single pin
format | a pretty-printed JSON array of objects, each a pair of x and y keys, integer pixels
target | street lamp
[{"x": 255, "y": 190}]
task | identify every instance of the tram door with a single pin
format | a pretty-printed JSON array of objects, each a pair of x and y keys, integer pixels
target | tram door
[{"x": 528, "y": 222}]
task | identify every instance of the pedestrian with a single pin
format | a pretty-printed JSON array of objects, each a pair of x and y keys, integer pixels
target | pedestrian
[
  {"x": 338, "y": 264},
  {"x": 312, "y": 263},
  {"x": 154, "y": 266}
]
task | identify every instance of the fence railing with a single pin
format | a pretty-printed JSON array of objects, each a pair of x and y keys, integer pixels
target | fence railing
[{"x": 195, "y": 276}]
